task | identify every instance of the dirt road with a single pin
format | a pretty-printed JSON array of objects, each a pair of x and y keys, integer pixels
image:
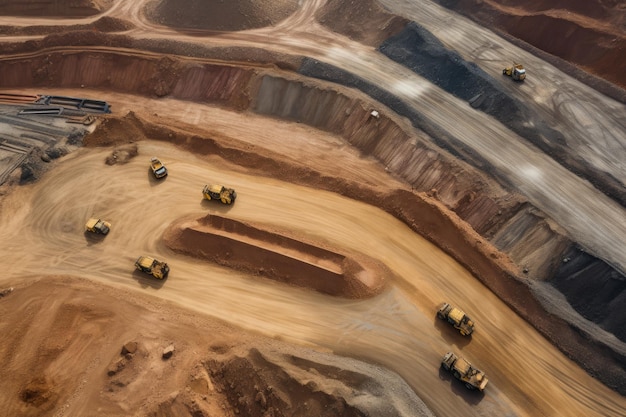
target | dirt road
[
  {"x": 396, "y": 329},
  {"x": 591, "y": 123}
]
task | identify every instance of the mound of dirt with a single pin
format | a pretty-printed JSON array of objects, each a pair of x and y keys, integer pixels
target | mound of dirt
[
  {"x": 122, "y": 154},
  {"x": 54, "y": 8},
  {"x": 277, "y": 256},
  {"x": 125, "y": 352},
  {"x": 104, "y": 24},
  {"x": 219, "y": 15},
  {"x": 368, "y": 23},
  {"x": 115, "y": 131}
]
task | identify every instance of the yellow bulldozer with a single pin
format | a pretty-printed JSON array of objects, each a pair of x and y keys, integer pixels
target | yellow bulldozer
[
  {"x": 219, "y": 192},
  {"x": 517, "y": 72}
]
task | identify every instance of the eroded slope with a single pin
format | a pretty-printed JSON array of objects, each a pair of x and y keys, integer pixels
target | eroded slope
[{"x": 95, "y": 353}]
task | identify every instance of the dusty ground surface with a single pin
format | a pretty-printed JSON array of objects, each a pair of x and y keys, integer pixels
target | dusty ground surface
[
  {"x": 588, "y": 34},
  {"x": 306, "y": 158},
  {"x": 154, "y": 359},
  {"x": 54, "y": 8}
]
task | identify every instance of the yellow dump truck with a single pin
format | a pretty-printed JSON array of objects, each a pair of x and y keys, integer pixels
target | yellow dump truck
[
  {"x": 517, "y": 72},
  {"x": 457, "y": 318},
  {"x": 157, "y": 167},
  {"x": 153, "y": 267},
  {"x": 98, "y": 226},
  {"x": 462, "y": 370},
  {"x": 219, "y": 192}
]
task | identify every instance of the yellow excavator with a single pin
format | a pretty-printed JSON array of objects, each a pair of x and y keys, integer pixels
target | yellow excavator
[{"x": 517, "y": 72}]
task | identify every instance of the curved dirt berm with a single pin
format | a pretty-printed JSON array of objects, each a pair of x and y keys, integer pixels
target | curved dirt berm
[
  {"x": 276, "y": 256},
  {"x": 219, "y": 15},
  {"x": 52, "y": 8}
]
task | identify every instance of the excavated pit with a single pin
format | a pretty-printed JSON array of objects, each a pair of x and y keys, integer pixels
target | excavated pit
[
  {"x": 278, "y": 257},
  {"x": 458, "y": 196}
]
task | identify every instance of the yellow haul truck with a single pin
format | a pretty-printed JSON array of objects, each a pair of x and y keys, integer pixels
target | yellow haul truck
[
  {"x": 157, "y": 167},
  {"x": 457, "y": 318},
  {"x": 462, "y": 370},
  {"x": 151, "y": 266},
  {"x": 517, "y": 72},
  {"x": 98, "y": 226}
]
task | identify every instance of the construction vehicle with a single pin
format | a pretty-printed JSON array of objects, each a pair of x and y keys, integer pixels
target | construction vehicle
[
  {"x": 219, "y": 192},
  {"x": 517, "y": 72},
  {"x": 158, "y": 169},
  {"x": 151, "y": 266},
  {"x": 98, "y": 226},
  {"x": 464, "y": 372},
  {"x": 457, "y": 318}
]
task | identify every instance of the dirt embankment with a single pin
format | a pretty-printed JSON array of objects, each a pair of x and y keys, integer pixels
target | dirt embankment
[
  {"x": 104, "y": 24},
  {"x": 53, "y": 8},
  {"x": 217, "y": 15},
  {"x": 276, "y": 256},
  {"x": 588, "y": 34},
  {"x": 159, "y": 360}
]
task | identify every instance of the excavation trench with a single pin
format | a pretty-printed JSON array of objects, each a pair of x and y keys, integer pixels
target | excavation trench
[
  {"x": 276, "y": 256},
  {"x": 452, "y": 204}
]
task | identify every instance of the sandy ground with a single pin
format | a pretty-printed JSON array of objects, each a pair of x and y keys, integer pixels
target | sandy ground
[
  {"x": 64, "y": 279},
  {"x": 85, "y": 185}
]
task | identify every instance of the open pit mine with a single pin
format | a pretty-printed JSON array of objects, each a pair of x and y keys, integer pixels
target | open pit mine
[{"x": 388, "y": 157}]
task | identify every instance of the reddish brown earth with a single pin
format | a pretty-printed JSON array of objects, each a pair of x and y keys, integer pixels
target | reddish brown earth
[
  {"x": 274, "y": 255},
  {"x": 114, "y": 360},
  {"x": 54, "y": 8},
  {"x": 336, "y": 195}
]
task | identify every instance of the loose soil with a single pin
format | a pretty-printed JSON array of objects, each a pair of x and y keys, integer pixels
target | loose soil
[
  {"x": 119, "y": 342},
  {"x": 219, "y": 15},
  {"x": 54, "y": 8},
  {"x": 274, "y": 255},
  {"x": 154, "y": 359}
]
